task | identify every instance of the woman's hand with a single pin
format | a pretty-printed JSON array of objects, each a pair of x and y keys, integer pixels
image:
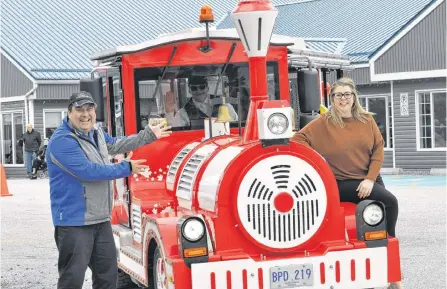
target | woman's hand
[{"x": 365, "y": 188}]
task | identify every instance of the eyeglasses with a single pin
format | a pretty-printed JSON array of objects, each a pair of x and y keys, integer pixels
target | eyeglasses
[
  {"x": 339, "y": 95},
  {"x": 198, "y": 86}
]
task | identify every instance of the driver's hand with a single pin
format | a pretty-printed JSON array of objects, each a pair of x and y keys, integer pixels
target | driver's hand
[{"x": 169, "y": 99}]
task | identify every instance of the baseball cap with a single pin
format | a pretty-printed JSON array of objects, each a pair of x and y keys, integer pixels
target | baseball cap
[
  {"x": 197, "y": 80},
  {"x": 80, "y": 98}
]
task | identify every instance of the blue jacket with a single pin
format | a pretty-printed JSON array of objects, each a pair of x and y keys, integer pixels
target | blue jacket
[{"x": 80, "y": 172}]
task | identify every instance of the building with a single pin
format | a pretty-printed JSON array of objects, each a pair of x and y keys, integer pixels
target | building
[
  {"x": 398, "y": 49},
  {"x": 43, "y": 58},
  {"x": 46, "y": 48}
]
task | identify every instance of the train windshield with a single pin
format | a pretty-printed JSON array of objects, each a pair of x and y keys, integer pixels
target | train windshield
[{"x": 187, "y": 95}]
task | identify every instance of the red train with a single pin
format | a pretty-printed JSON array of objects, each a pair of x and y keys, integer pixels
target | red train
[{"x": 229, "y": 201}]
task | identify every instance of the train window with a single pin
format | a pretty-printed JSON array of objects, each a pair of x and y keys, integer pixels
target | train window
[{"x": 188, "y": 94}]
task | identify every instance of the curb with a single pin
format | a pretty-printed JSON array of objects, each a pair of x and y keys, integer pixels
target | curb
[{"x": 414, "y": 172}]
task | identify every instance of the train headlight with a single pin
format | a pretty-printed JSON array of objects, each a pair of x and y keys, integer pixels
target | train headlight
[
  {"x": 274, "y": 122},
  {"x": 193, "y": 230},
  {"x": 277, "y": 123},
  {"x": 370, "y": 220},
  {"x": 373, "y": 214}
]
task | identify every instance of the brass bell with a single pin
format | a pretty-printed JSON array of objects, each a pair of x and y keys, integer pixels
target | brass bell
[
  {"x": 293, "y": 120},
  {"x": 223, "y": 115}
]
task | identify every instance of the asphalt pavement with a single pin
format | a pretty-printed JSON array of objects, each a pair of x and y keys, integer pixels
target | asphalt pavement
[{"x": 29, "y": 255}]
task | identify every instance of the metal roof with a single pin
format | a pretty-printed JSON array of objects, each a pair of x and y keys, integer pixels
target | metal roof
[
  {"x": 365, "y": 24},
  {"x": 55, "y": 39},
  {"x": 333, "y": 45}
]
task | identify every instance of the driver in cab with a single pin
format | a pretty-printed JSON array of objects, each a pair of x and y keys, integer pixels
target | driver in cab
[{"x": 197, "y": 107}]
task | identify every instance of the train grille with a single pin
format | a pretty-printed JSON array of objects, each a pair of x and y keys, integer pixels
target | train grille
[
  {"x": 173, "y": 168},
  {"x": 282, "y": 201}
]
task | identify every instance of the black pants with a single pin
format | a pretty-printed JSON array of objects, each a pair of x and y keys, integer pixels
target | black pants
[
  {"x": 86, "y": 246},
  {"x": 348, "y": 193}
]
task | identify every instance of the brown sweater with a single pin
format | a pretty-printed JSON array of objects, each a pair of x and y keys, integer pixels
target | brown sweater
[{"x": 353, "y": 152}]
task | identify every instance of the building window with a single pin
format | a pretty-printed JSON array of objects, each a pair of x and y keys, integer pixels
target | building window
[
  {"x": 431, "y": 119},
  {"x": 52, "y": 120},
  {"x": 381, "y": 107},
  {"x": 12, "y": 129}
]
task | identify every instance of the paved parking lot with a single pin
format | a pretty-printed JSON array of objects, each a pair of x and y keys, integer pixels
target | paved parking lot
[{"x": 29, "y": 255}]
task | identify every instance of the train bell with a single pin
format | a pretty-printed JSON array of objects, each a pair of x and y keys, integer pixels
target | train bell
[
  {"x": 293, "y": 121},
  {"x": 223, "y": 115}
]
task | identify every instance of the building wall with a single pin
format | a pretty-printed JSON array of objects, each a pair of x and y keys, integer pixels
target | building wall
[
  {"x": 407, "y": 156},
  {"x": 14, "y": 105},
  {"x": 421, "y": 49},
  {"x": 374, "y": 89},
  {"x": 40, "y": 106},
  {"x": 361, "y": 76},
  {"x": 56, "y": 91},
  {"x": 13, "y": 81},
  {"x": 388, "y": 159}
]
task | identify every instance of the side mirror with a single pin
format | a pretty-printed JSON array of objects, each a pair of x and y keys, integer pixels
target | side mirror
[{"x": 94, "y": 87}]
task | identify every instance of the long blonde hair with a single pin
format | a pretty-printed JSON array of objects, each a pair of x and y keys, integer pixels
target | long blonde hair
[{"x": 358, "y": 112}]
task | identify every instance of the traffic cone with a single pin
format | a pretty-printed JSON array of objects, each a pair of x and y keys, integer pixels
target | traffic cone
[{"x": 3, "y": 184}]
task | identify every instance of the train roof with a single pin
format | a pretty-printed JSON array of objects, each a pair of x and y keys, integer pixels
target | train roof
[
  {"x": 299, "y": 54},
  {"x": 190, "y": 34}
]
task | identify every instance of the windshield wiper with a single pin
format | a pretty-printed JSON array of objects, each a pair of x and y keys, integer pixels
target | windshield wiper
[
  {"x": 157, "y": 87},
  {"x": 230, "y": 54}
]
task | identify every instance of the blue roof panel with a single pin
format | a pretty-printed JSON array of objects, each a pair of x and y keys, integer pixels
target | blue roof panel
[
  {"x": 326, "y": 45},
  {"x": 63, "y": 34},
  {"x": 46, "y": 36},
  {"x": 365, "y": 24}
]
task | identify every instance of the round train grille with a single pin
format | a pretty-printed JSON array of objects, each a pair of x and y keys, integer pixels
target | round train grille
[{"x": 282, "y": 201}]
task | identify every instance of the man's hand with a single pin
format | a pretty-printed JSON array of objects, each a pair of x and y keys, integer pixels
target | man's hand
[
  {"x": 160, "y": 130},
  {"x": 136, "y": 165},
  {"x": 365, "y": 188}
]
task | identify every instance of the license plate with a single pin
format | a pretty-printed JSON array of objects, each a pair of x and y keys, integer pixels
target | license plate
[{"x": 291, "y": 276}]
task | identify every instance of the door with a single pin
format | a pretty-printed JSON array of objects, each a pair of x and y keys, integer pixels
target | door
[
  {"x": 121, "y": 192},
  {"x": 12, "y": 129}
]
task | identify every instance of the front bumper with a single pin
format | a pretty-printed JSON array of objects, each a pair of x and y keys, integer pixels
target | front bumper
[{"x": 351, "y": 269}]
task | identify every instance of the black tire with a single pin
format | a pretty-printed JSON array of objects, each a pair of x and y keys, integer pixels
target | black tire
[
  {"x": 157, "y": 256},
  {"x": 124, "y": 281}
]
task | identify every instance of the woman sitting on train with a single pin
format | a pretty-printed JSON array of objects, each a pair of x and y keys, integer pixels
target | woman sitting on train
[{"x": 350, "y": 141}]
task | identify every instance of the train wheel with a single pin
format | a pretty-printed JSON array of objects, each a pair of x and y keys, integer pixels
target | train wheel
[{"x": 159, "y": 271}]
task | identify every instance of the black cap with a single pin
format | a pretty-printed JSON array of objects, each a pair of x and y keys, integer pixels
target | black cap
[
  {"x": 80, "y": 98},
  {"x": 197, "y": 79}
]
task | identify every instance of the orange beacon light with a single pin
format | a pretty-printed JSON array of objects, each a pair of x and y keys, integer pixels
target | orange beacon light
[{"x": 206, "y": 14}]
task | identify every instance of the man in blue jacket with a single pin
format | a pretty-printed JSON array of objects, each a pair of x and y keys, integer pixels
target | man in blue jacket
[{"x": 81, "y": 194}]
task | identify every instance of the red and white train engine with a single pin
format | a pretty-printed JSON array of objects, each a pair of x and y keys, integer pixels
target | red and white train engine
[{"x": 231, "y": 202}]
